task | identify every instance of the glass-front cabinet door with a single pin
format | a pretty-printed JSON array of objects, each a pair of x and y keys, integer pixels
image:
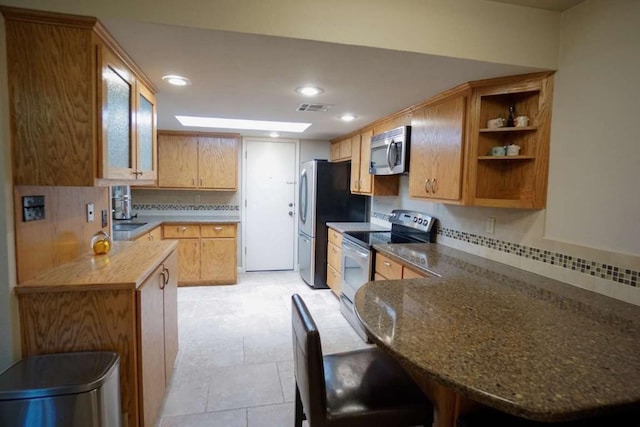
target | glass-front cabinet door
[
  {"x": 146, "y": 154},
  {"x": 117, "y": 107}
]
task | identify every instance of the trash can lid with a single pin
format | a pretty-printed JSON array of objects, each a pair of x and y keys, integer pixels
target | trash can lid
[{"x": 57, "y": 374}]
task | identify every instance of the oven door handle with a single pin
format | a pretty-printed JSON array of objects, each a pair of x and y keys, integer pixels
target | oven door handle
[{"x": 354, "y": 249}]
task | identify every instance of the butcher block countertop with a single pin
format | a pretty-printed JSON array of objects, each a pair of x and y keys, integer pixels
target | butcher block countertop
[
  {"x": 519, "y": 342},
  {"x": 126, "y": 266}
]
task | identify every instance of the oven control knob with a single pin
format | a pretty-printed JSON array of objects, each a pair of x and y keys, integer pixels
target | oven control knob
[
  {"x": 420, "y": 221},
  {"x": 415, "y": 219}
]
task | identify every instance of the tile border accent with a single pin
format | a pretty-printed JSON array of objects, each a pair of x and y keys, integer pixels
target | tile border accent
[
  {"x": 605, "y": 271},
  {"x": 163, "y": 207}
]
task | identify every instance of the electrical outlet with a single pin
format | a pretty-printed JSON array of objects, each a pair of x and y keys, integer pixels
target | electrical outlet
[
  {"x": 89, "y": 212},
  {"x": 32, "y": 208},
  {"x": 490, "y": 225}
]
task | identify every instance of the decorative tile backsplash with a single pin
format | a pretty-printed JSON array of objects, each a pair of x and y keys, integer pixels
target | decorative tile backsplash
[
  {"x": 181, "y": 207},
  {"x": 625, "y": 276},
  {"x": 604, "y": 271}
]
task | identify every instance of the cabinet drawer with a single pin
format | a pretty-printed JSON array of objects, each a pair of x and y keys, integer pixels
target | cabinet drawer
[
  {"x": 334, "y": 256},
  {"x": 388, "y": 268},
  {"x": 334, "y": 279},
  {"x": 378, "y": 277},
  {"x": 218, "y": 230},
  {"x": 181, "y": 231},
  {"x": 335, "y": 237},
  {"x": 411, "y": 274}
]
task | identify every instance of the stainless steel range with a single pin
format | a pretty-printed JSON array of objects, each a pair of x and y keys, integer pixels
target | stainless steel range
[{"x": 357, "y": 255}]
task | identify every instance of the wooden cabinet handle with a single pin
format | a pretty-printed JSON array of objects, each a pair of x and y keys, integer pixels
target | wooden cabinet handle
[
  {"x": 434, "y": 188},
  {"x": 182, "y": 228},
  {"x": 217, "y": 228},
  {"x": 166, "y": 270},
  {"x": 163, "y": 282},
  {"x": 427, "y": 183},
  {"x": 387, "y": 263}
]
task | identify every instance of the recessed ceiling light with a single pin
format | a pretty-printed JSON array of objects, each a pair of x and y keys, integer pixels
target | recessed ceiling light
[
  {"x": 309, "y": 90},
  {"x": 216, "y": 122},
  {"x": 274, "y": 134},
  {"x": 176, "y": 80},
  {"x": 347, "y": 117}
]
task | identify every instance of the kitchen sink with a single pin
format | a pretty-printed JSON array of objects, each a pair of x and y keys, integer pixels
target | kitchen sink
[{"x": 128, "y": 226}]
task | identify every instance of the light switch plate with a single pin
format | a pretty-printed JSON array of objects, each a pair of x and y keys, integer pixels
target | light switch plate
[{"x": 89, "y": 212}]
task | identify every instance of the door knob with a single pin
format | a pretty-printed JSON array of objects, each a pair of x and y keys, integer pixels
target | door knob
[{"x": 290, "y": 213}]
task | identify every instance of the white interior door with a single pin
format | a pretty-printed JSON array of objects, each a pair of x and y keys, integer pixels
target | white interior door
[{"x": 270, "y": 210}]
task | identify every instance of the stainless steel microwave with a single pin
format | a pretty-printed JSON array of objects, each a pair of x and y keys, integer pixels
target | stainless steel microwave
[{"x": 390, "y": 152}]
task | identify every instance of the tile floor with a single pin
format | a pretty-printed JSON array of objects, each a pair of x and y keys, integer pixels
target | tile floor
[{"x": 235, "y": 364}]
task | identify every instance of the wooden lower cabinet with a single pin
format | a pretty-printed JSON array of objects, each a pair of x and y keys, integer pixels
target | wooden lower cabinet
[
  {"x": 390, "y": 269},
  {"x": 155, "y": 234},
  {"x": 141, "y": 325},
  {"x": 207, "y": 252},
  {"x": 334, "y": 261},
  {"x": 156, "y": 302}
]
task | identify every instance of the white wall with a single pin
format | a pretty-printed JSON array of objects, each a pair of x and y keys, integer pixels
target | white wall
[
  {"x": 469, "y": 29},
  {"x": 594, "y": 198},
  {"x": 311, "y": 149}
]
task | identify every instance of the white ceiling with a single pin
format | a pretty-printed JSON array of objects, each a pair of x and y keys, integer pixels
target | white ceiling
[{"x": 239, "y": 75}]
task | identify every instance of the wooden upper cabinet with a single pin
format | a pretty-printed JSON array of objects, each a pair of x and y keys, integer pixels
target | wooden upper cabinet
[
  {"x": 218, "y": 162},
  {"x": 437, "y": 141},
  {"x": 198, "y": 160},
  {"x": 177, "y": 161},
  {"x": 362, "y": 182},
  {"x": 74, "y": 103},
  {"x": 341, "y": 150}
]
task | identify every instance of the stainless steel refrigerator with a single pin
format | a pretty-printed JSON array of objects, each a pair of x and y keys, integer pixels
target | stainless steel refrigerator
[{"x": 325, "y": 196}]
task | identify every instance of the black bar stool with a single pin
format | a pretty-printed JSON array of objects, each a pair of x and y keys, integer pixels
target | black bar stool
[{"x": 362, "y": 388}]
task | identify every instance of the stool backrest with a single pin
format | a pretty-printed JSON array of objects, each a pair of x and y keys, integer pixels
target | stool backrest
[{"x": 307, "y": 361}]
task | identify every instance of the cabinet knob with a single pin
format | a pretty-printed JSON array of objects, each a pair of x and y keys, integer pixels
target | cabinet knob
[
  {"x": 217, "y": 228},
  {"x": 182, "y": 228},
  {"x": 387, "y": 264}
]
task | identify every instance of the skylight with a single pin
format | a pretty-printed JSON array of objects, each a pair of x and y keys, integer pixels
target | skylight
[{"x": 216, "y": 122}]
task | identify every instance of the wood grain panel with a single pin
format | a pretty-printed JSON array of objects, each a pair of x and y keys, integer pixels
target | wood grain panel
[
  {"x": 151, "y": 368},
  {"x": 355, "y": 164},
  {"x": 181, "y": 231},
  {"x": 171, "y": 315},
  {"x": 218, "y": 162},
  {"x": 218, "y": 261},
  {"x": 334, "y": 256},
  {"x": 345, "y": 149},
  {"x": 177, "y": 161},
  {"x": 366, "y": 179},
  {"x": 387, "y": 267},
  {"x": 335, "y": 152},
  {"x": 189, "y": 260},
  {"x": 218, "y": 230},
  {"x": 386, "y": 185},
  {"x": 64, "y": 234},
  {"x": 334, "y": 280},
  {"x": 407, "y": 273},
  {"x": 335, "y": 237},
  {"x": 52, "y": 103},
  {"x": 75, "y": 321}
]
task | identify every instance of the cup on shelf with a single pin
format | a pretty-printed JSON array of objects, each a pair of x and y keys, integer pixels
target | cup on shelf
[
  {"x": 496, "y": 123},
  {"x": 521, "y": 121},
  {"x": 513, "y": 150},
  {"x": 499, "y": 151}
]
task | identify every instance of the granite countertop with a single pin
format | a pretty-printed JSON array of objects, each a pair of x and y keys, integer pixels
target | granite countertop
[
  {"x": 343, "y": 227},
  {"x": 126, "y": 266},
  {"x": 507, "y": 338},
  {"x": 154, "y": 221}
]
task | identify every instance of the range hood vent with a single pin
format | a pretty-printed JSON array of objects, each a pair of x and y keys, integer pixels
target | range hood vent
[{"x": 315, "y": 108}]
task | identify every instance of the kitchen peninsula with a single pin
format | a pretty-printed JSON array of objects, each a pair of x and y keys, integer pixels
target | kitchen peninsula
[
  {"x": 487, "y": 333},
  {"x": 124, "y": 301}
]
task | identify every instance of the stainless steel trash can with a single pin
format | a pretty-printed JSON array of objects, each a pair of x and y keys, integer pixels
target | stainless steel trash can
[{"x": 62, "y": 389}]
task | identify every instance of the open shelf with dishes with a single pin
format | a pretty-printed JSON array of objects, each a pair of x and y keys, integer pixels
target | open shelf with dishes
[{"x": 520, "y": 180}]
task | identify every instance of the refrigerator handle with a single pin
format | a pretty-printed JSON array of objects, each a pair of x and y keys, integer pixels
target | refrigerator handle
[{"x": 302, "y": 206}]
